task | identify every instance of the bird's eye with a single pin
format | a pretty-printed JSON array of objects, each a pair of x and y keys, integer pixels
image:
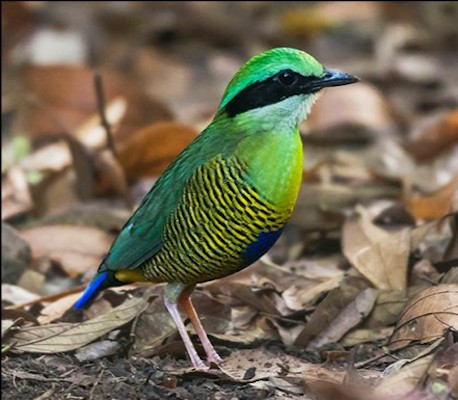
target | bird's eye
[{"x": 287, "y": 78}]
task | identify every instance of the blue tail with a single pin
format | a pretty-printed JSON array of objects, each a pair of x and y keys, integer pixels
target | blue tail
[{"x": 91, "y": 290}]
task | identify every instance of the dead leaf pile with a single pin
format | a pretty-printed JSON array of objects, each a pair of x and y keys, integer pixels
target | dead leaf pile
[{"x": 357, "y": 299}]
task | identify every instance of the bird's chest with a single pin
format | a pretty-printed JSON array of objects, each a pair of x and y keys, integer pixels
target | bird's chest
[{"x": 275, "y": 168}]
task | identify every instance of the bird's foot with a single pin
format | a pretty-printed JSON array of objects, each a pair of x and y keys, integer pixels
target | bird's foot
[
  {"x": 196, "y": 361},
  {"x": 201, "y": 367},
  {"x": 214, "y": 358}
]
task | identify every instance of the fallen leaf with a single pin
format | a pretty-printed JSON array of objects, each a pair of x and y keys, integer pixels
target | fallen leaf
[
  {"x": 33, "y": 281},
  {"x": 91, "y": 134},
  {"x": 94, "y": 351},
  {"x": 406, "y": 379},
  {"x": 360, "y": 104},
  {"x": 435, "y": 205},
  {"x": 387, "y": 309},
  {"x": 296, "y": 298},
  {"x": 18, "y": 19},
  {"x": 289, "y": 384},
  {"x": 150, "y": 150},
  {"x": 19, "y": 315},
  {"x": 16, "y": 254},
  {"x": 426, "y": 316},
  {"x": 7, "y": 324},
  {"x": 379, "y": 255},
  {"x": 61, "y": 337},
  {"x": 348, "y": 318},
  {"x": 436, "y": 140},
  {"x": 76, "y": 248},
  {"x": 262, "y": 364},
  {"x": 359, "y": 336},
  {"x": 67, "y": 93},
  {"x": 110, "y": 176},
  {"x": 332, "y": 305},
  {"x": 16, "y": 295},
  {"x": 16, "y": 196},
  {"x": 306, "y": 21},
  {"x": 56, "y": 309},
  {"x": 45, "y": 299},
  {"x": 453, "y": 381},
  {"x": 153, "y": 326}
]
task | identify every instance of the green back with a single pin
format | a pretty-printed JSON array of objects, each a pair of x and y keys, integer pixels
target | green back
[{"x": 141, "y": 236}]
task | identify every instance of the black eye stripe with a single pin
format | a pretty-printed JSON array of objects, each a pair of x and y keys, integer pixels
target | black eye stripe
[
  {"x": 286, "y": 77},
  {"x": 270, "y": 91}
]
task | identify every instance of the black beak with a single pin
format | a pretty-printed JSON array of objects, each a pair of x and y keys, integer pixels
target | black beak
[{"x": 331, "y": 78}]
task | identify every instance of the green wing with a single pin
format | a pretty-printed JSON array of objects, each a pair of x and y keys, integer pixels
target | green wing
[{"x": 142, "y": 235}]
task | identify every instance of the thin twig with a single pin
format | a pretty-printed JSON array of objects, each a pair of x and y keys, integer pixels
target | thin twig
[
  {"x": 98, "y": 82},
  {"x": 91, "y": 393}
]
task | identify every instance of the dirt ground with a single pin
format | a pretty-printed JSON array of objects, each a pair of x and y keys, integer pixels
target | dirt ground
[{"x": 120, "y": 378}]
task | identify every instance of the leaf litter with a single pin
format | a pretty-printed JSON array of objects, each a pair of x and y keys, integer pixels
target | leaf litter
[{"x": 357, "y": 300}]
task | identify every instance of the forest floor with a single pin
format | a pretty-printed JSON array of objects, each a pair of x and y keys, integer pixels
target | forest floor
[{"x": 358, "y": 299}]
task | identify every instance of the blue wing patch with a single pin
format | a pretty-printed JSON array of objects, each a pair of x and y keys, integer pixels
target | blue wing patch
[{"x": 260, "y": 246}]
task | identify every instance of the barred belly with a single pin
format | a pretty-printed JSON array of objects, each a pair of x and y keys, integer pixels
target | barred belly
[{"x": 219, "y": 218}]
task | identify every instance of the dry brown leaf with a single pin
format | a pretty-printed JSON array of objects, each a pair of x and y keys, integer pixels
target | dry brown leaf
[
  {"x": 153, "y": 326},
  {"x": 33, "y": 281},
  {"x": 16, "y": 196},
  {"x": 239, "y": 294},
  {"x": 17, "y": 295},
  {"x": 18, "y": 19},
  {"x": 354, "y": 105},
  {"x": 296, "y": 298},
  {"x": 439, "y": 138},
  {"x": 387, "y": 309},
  {"x": 309, "y": 20},
  {"x": 359, "y": 336},
  {"x": 57, "y": 308},
  {"x": 436, "y": 205},
  {"x": 64, "y": 98},
  {"x": 7, "y": 324},
  {"x": 406, "y": 379},
  {"x": 264, "y": 364},
  {"x": 426, "y": 316},
  {"x": 304, "y": 22},
  {"x": 333, "y": 304},
  {"x": 453, "y": 381},
  {"x": 96, "y": 350},
  {"x": 110, "y": 175},
  {"x": 45, "y": 299},
  {"x": 150, "y": 150},
  {"x": 348, "y": 318},
  {"x": 57, "y": 338},
  {"x": 91, "y": 134},
  {"x": 379, "y": 255},
  {"x": 322, "y": 206},
  {"x": 76, "y": 248},
  {"x": 16, "y": 254}
]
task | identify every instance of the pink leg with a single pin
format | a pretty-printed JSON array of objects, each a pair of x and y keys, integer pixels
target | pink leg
[
  {"x": 172, "y": 294},
  {"x": 185, "y": 301}
]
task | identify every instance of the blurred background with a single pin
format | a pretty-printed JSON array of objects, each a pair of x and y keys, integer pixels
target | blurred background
[
  {"x": 163, "y": 66},
  {"x": 377, "y": 212}
]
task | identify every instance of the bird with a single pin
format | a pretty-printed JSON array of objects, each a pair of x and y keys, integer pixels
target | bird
[{"x": 225, "y": 199}]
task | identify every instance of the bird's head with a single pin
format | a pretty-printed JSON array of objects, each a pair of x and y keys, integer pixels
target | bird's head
[{"x": 279, "y": 85}]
